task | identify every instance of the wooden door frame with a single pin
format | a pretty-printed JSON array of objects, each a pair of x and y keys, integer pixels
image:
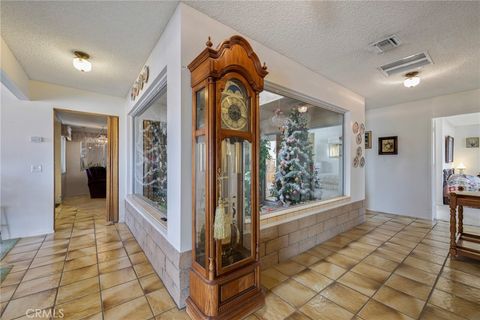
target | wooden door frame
[
  {"x": 112, "y": 169},
  {"x": 112, "y": 199}
]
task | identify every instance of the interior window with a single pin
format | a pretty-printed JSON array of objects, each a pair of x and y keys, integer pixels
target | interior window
[
  {"x": 150, "y": 154},
  {"x": 301, "y": 153}
]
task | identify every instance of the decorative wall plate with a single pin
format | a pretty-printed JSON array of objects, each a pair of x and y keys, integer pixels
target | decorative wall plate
[
  {"x": 144, "y": 75},
  {"x": 355, "y": 128},
  {"x": 362, "y": 128},
  {"x": 139, "y": 83},
  {"x": 359, "y": 138},
  {"x": 359, "y": 151},
  {"x": 362, "y": 162},
  {"x": 355, "y": 162}
]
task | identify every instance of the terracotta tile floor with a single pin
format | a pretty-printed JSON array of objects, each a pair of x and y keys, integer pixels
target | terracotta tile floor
[
  {"x": 390, "y": 267},
  {"x": 87, "y": 269}
]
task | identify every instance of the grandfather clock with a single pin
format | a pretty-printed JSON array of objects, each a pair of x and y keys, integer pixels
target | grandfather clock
[{"x": 225, "y": 274}]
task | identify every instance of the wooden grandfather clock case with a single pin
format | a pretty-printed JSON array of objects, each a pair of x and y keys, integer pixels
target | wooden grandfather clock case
[{"x": 225, "y": 274}]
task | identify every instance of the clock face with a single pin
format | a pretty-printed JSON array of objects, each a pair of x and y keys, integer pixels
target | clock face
[{"x": 234, "y": 106}]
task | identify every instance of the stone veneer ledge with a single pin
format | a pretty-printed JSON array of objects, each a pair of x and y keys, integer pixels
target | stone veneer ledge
[
  {"x": 171, "y": 265},
  {"x": 283, "y": 241}
]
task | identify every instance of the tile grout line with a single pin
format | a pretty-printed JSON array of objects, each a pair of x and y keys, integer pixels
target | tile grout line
[
  {"x": 347, "y": 270},
  {"x": 68, "y": 251},
  {"x": 136, "y": 275},
  {"x": 308, "y": 267},
  {"x": 435, "y": 284},
  {"x": 65, "y": 259},
  {"x": 407, "y": 230},
  {"x": 393, "y": 271},
  {"x": 383, "y": 283},
  {"x": 98, "y": 268},
  {"x": 26, "y": 270}
]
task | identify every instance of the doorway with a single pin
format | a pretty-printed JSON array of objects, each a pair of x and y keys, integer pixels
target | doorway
[
  {"x": 85, "y": 166},
  {"x": 456, "y": 163}
]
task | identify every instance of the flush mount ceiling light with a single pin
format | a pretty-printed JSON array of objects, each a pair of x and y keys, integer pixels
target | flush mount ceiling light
[
  {"x": 81, "y": 63},
  {"x": 412, "y": 79}
]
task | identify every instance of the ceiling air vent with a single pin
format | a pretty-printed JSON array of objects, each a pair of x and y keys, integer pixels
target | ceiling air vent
[
  {"x": 386, "y": 44},
  {"x": 406, "y": 64}
]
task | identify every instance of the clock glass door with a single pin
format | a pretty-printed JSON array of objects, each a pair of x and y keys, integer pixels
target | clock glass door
[
  {"x": 233, "y": 225},
  {"x": 200, "y": 176}
]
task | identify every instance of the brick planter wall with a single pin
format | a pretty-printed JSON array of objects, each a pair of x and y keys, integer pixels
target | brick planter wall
[
  {"x": 285, "y": 240},
  {"x": 171, "y": 266}
]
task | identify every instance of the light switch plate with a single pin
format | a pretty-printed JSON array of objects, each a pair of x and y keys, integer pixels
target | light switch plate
[
  {"x": 36, "y": 168},
  {"x": 36, "y": 139}
]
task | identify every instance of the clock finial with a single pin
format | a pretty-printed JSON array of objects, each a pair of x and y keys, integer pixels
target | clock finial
[
  {"x": 264, "y": 67},
  {"x": 209, "y": 43}
]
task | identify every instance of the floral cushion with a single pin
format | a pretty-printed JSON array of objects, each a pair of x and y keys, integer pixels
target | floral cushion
[{"x": 463, "y": 182}]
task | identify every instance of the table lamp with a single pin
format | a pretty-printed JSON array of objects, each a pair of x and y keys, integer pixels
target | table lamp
[{"x": 461, "y": 168}]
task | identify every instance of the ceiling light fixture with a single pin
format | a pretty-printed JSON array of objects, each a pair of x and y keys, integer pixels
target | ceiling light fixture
[
  {"x": 303, "y": 108},
  {"x": 81, "y": 63},
  {"x": 412, "y": 79}
]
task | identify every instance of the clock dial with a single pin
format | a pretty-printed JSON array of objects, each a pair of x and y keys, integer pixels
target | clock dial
[{"x": 234, "y": 106}]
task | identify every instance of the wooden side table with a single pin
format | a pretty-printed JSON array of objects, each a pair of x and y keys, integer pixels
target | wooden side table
[{"x": 462, "y": 243}]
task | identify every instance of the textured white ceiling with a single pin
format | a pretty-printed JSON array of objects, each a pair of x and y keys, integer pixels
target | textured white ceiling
[
  {"x": 330, "y": 38},
  {"x": 119, "y": 36},
  {"x": 83, "y": 120}
]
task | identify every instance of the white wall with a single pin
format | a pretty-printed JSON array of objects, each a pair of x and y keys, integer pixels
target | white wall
[
  {"x": 166, "y": 56},
  {"x": 76, "y": 180},
  {"x": 28, "y": 198},
  {"x": 402, "y": 184},
  {"x": 470, "y": 157}
]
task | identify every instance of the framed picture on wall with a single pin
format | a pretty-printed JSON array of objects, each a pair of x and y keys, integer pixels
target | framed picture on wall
[
  {"x": 472, "y": 142},
  {"x": 368, "y": 139},
  {"x": 449, "y": 146},
  {"x": 388, "y": 145}
]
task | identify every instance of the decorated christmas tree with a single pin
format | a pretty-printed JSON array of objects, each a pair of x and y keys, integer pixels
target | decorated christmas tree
[
  {"x": 151, "y": 161},
  {"x": 293, "y": 177}
]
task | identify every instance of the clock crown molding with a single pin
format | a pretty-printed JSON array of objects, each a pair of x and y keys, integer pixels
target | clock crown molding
[{"x": 224, "y": 56}]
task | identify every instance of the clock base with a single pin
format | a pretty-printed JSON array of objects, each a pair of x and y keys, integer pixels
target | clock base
[
  {"x": 229, "y": 297},
  {"x": 243, "y": 309}
]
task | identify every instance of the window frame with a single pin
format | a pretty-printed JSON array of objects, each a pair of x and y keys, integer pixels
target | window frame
[
  {"x": 157, "y": 88},
  {"x": 295, "y": 209}
]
